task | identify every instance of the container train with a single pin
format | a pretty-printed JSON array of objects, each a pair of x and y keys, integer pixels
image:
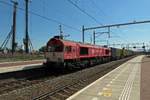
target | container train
[{"x": 63, "y": 52}]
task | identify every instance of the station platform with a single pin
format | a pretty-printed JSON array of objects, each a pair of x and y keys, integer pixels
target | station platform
[
  {"x": 122, "y": 83},
  {"x": 6, "y": 67}
]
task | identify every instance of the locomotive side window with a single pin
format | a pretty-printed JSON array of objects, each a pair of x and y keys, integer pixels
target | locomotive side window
[
  {"x": 68, "y": 48},
  {"x": 74, "y": 50},
  {"x": 107, "y": 52},
  {"x": 83, "y": 51}
]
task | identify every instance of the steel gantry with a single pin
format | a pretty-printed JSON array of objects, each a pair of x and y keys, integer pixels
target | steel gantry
[
  {"x": 94, "y": 35},
  {"x": 109, "y": 26}
]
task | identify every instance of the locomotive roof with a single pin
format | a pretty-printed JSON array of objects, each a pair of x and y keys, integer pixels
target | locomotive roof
[{"x": 71, "y": 41}]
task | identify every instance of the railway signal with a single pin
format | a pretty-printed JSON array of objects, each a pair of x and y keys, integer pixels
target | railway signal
[
  {"x": 143, "y": 47},
  {"x": 134, "y": 47}
]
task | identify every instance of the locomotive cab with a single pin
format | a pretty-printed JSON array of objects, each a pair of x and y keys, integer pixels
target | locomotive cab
[{"x": 54, "y": 53}]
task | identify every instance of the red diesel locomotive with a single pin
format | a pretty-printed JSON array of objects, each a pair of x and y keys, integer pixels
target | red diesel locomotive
[{"x": 63, "y": 52}]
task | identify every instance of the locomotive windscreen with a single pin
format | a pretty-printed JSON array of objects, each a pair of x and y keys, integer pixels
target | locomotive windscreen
[
  {"x": 55, "y": 48},
  {"x": 83, "y": 51}
]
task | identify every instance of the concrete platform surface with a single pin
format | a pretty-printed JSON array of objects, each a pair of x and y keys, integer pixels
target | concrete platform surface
[
  {"x": 20, "y": 67},
  {"x": 18, "y": 63},
  {"x": 145, "y": 78},
  {"x": 123, "y": 83}
]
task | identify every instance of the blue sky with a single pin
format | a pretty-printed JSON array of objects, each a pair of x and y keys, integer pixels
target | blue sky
[{"x": 105, "y": 11}]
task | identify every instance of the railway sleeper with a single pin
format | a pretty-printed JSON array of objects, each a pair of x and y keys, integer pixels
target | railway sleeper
[
  {"x": 62, "y": 95},
  {"x": 65, "y": 91},
  {"x": 81, "y": 83},
  {"x": 73, "y": 89},
  {"x": 58, "y": 96},
  {"x": 51, "y": 98},
  {"x": 68, "y": 89},
  {"x": 76, "y": 86}
]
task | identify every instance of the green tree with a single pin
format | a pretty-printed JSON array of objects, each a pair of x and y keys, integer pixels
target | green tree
[{"x": 42, "y": 49}]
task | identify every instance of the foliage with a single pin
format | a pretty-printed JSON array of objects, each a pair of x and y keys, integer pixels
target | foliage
[{"x": 42, "y": 49}]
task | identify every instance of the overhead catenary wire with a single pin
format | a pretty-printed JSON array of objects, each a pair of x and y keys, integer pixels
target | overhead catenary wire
[
  {"x": 83, "y": 11},
  {"x": 121, "y": 38},
  {"x": 99, "y": 10},
  {"x": 43, "y": 17}
]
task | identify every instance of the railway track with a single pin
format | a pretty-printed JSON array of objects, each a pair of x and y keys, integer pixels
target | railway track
[
  {"x": 57, "y": 84},
  {"x": 15, "y": 80},
  {"x": 21, "y": 79},
  {"x": 63, "y": 92}
]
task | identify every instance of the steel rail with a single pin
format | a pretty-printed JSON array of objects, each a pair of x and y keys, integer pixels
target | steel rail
[{"x": 68, "y": 85}]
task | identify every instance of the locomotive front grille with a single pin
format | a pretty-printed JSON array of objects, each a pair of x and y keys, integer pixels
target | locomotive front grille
[{"x": 54, "y": 57}]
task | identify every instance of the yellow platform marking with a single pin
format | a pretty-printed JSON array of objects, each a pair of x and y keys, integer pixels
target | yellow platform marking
[
  {"x": 106, "y": 94},
  {"x": 109, "y": 89}
]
